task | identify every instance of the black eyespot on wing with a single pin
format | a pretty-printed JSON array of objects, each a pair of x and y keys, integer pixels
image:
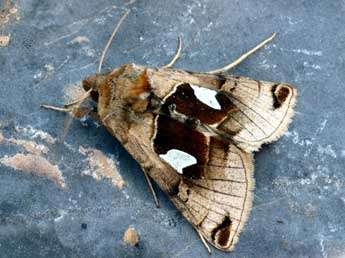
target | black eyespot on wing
[
  {"x": 280, "y": 93},
  {"x": 221, "y": 234}
]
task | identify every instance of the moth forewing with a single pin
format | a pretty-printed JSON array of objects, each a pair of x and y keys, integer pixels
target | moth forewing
[{"x": 212, "y": 183}]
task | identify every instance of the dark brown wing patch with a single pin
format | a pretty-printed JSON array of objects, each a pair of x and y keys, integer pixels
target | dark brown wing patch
[
  {"x": 221, "y": 234},
  {"x": 280, "y": 94},
  {"x": 188, "y": 104},
  {"x": 172, "y": 134}
]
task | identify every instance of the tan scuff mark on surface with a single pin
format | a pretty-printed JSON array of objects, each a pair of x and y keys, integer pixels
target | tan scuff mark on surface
[
  {"x": 131, "y": 237},
  {"x": 30, "y": 146},
  {"x": 4, "y": 40},
  {"x": 102, "y": 167},
  {"x": 35, "y": 164},
  {"x": 9, "y": 11}
]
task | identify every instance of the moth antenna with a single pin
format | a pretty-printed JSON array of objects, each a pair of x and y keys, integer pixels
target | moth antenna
[
  {"x": 177, "y": 55},
  {"x": 244, "y": 56},
  {"x": 110, "y": 40}
]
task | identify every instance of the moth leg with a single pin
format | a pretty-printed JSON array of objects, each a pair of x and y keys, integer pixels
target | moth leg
[
  {"x": 204, "y": 242},
  {"x": 151, "y": 188},
  {"x": 243, "y": 57},
  {"x": 177, "y": 55}
]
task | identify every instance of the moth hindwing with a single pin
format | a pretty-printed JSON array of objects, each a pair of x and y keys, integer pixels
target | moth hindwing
[{"x": 193, "y": 133}]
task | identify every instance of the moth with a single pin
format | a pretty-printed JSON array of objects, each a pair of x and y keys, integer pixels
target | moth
[{"x": 193, "y": 134}]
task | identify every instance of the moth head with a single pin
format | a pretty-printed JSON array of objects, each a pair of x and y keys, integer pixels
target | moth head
[
  {"x": 129, "y": 83},
  {"x": 94, "y": 83}
]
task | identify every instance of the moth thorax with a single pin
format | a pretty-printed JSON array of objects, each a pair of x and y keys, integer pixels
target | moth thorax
[
  {"x": 138, "y": 102},
  {"x": 138, "y": 92}
]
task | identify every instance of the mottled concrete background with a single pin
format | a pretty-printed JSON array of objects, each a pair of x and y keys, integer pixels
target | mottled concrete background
[{"x": 66, "y": 200}]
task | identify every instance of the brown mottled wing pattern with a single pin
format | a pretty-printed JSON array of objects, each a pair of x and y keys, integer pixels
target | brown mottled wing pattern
[{"x": 218, "y": 205}]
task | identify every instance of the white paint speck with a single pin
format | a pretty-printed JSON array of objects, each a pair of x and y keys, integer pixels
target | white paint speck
[
  {"x": 305, "y": 181},
  {"x": 291, "y": 21},
  {"x": 265, "y": 65},
  {"x": 178, "y": 159},
  {"x": 307, "y": 52},
  {"x": 80, "y": 40},
  {"x": 322, "y": 126},
  {"x": 38, "y": 75},
  {"x": 62, "y": 214},
  {"x": 209, "y": 26},
  {"x": 333, "y": 228},
  {"x": 323, "y": 251},
  {"x": 206, "y": 96},
  {"x": 313, "y": 66},
  {"x": 100, "y": 20},
  {"x": 89, "y": 51},
  {"x": 296, "y": 139},
  {"x": 49, "y": 67},
  {"x": 328, "y": 150}
]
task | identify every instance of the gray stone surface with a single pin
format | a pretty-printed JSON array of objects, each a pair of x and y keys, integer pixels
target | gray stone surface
[{"x": 299, "y": 201}]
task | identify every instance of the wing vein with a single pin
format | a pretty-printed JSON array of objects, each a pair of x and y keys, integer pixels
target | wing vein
[{"x": 213, "y": 190}]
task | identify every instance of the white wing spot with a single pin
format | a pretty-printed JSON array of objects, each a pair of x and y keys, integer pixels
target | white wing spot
[
  {"x": 178, "y": 159},
  {"x": 206, "y": 96}
]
